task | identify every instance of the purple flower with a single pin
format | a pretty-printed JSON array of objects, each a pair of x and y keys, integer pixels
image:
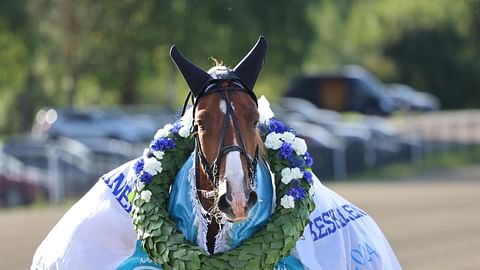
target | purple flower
[
  {"x": 308, "y": 176},
  {"x": 146, "y": 177},
  {"x": 176, "y": 127},
  {"x": 138, "y": 167},
  {"x": 162, "y": 144},
  {"x": 263, "y": 128},
  {"x": 276, "y": 126},
  {"x": 296, "y": 161},
  {"x": 297, "y": 192},
  {"x": 295, "y": 182},
  {"x": 285, "y": 151},
  {"x": 308, "y": 159}
]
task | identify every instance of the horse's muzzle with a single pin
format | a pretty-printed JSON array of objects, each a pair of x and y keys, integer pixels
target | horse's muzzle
[{"x": 236, "y": 209}]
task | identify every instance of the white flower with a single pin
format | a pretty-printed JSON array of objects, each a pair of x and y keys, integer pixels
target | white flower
[
  {"x": 272, "y": 141},
  {"x": 152, "y": 166},
  {"x": 158, "y": 154},
  {"x": 146, "y": 195},
  {"x": 296, "y": 173},
  {"x": 299, "y": 146},
  {"x": 287, "y": 201},
  {"x": 264, "y": 110},
  {"x": 288, "y": 137},
  {"x": 288, "y": 174},
  {"x": 163, "y": 132},
  {"x": 187, "y": 121},
  {"x": 184, "y": 131}
]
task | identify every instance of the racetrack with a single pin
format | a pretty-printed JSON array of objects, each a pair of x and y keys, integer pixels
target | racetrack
[{"x": 432, "y": 221}]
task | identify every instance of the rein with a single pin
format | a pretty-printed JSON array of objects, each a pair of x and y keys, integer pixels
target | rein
[{"x": 213, "y": 170}]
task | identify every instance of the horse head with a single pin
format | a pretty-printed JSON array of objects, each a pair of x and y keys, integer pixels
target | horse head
[{"x": 228, "y": 142}]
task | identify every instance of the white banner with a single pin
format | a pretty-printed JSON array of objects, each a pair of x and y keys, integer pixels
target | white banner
[{"x": 97, "y": 232}]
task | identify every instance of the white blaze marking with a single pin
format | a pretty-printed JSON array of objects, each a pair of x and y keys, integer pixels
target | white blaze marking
[
  {"x": 223, "y": 106},
  {"x": 233, "y": 171},
  {"x": 234, "y": 174}
]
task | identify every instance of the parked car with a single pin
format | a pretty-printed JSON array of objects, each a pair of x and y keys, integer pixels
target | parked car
[
  {"x": 327, "y": 151},
  {"x": 306, "y": 110},
  {"x": 351, "y": 89},
  {"x": 110, "y": 153},
  {"x": 407, "y": 98},
  {"x": 20, "y": 184},
  {"x": 129, "y": 124},
  {"x": 367, "y": 140},
  {"x": 67, "y": 164}
]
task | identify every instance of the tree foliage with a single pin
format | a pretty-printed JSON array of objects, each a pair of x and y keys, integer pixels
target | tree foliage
[
  {"x": 78, "y": 52},
  {"x": 431, "y": 45}
]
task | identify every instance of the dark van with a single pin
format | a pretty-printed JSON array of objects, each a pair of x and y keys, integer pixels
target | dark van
[{"x": 343, "y": 92}]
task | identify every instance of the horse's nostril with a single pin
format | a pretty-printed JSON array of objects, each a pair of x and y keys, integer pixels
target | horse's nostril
[
  {"x": 223, "y": 204},
  {"x": 252, "y": 199}
]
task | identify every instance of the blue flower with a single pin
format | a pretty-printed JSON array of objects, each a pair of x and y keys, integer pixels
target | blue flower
[
  {"x": 295, "y": 182},
  {"x": 297, "y": 192},
  {"x": 162, "y": 144},
  {"x": 276, "y": 126},
  {"x": 308, "y": 176},
  {"x": 146, "y": 177},
  {"x": 263, "y": 129},
  {"x": 138, "y": 167},
  {"x": 285, "y": 150},
  {"x": 176, "y": 127},
  {"x": 296, "y": 161},
  {"x": 308, "y": 159}
]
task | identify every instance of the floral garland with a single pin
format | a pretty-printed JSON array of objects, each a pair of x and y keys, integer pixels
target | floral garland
[{"x": 289, "y": 161}]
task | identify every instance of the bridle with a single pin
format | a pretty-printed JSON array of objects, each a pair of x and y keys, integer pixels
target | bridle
[{"x": 221, "y": 87}]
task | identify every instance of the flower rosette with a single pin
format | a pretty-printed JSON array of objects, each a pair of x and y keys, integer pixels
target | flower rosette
[{"x": 288, "y": 160}]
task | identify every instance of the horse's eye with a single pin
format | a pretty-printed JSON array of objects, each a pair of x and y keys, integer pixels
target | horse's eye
[
  {"x": 255, "y": 124},
  {"x": 200, "y": 125}
]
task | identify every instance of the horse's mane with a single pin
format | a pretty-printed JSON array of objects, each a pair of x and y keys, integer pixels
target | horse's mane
[{"x": 216, "y": 62}]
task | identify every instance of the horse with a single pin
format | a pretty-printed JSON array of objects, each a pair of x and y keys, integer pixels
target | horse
[
  {"x": 227, "y": 138},
  {"x": 226, "y": 193}
]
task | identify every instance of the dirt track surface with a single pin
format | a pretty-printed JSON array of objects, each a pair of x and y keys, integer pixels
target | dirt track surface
[{"x": 432, "y": 221}]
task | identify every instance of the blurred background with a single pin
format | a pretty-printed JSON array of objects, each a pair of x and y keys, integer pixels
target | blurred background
[{"x": 386, "y": 94}]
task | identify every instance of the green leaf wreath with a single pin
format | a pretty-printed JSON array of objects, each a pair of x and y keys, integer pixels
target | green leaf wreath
[{"x": 166, "y": 245}]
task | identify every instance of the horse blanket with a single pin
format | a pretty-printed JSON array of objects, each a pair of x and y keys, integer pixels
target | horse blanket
[{"x": 97, "y": 232}]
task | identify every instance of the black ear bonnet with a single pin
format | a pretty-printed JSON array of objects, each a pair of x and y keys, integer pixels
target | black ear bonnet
[{"x": 242, "y": 77}]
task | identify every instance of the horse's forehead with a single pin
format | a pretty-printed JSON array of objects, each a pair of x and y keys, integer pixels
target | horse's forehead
[
  {"x": 215, "y": 104},
  {"x": 208, "y": 105}
]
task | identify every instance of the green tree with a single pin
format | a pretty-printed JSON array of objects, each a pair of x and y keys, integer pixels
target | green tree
[
  {"x": 431, "y": 45},
  {"x": 124, "y": 44},
  {"x": 116, "y": 52},
  {"x": 17, "y": 49}
]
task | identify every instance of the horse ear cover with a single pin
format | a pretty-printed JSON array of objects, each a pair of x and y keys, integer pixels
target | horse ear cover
[
  {"x": 247, "y": 69},
  {"x": 195, "y": 77}
]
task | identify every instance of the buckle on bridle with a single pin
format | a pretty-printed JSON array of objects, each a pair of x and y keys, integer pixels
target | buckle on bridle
[{"x": 207, "y": 194}]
